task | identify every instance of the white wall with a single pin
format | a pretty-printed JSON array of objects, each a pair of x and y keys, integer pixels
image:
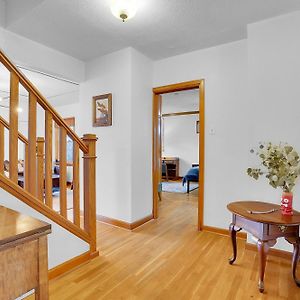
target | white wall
[
  {"x": 141, "y": 132},
  {"x": 110, "y": 74},
  {"x": 124, "y": 149},
  {"x": 68, "y": 100},
  {"x": 181, "y": 140},
  {"x": 274, "y": 72},
  {"x": 224, "y": 69},
  {"x": 69, "y": 110}
]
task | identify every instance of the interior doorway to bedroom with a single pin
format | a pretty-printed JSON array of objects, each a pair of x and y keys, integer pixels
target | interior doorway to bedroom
[{"x": 178, "y": 148}]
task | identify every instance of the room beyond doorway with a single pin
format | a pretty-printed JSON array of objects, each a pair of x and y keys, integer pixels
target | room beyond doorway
[{"x": 157, "y": 141}]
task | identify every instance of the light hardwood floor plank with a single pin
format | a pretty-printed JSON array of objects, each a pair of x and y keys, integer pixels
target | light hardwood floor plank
[{"x": 168, "y": 259}]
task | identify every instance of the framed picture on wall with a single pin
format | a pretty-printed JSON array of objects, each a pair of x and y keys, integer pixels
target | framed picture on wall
[
  {"x": 102, "y": 110},
  {"x": 197, "y": 127}
]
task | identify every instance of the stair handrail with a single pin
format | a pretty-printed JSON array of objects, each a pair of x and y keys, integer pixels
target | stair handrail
[
  {"x": 39, "y": 206},
  {"x": 37, "y": 191},
  {"x": 42, "y": 100},
  {"x": 20, "y": 135}
]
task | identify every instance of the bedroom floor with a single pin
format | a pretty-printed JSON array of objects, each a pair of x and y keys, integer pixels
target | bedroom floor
[
  {"x": 168, "y": 259},
  {"x": 176, "y": 186}
]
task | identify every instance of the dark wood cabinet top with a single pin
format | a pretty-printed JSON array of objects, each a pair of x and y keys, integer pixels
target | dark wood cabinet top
[
  {"x": 243, "y": 208},
  {"x": 15, "y": 226},
  {"x": 169, "y": 158}
]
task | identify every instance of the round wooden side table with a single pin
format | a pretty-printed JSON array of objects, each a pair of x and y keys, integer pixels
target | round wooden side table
[{"x": 266, "y": 223}]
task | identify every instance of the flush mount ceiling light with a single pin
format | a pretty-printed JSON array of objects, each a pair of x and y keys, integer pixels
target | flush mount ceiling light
[{"x": 124, "y": 9}]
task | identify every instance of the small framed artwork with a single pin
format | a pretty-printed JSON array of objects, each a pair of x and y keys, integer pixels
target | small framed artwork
[
  {"x": 102, "y": 110},
  {"x": 197, "y": 127}
]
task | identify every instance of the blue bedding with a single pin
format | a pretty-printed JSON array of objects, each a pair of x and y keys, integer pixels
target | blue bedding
[{"x": 191, "y": 175}]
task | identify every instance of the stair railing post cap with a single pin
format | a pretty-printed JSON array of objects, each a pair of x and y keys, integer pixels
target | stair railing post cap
[{"x": 90, "y": 136}]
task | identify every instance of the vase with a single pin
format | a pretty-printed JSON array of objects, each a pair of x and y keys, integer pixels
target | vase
[{"x": 287, "y": 204}]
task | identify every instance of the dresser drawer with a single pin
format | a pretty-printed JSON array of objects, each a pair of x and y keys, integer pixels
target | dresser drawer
[{"x": 280, "y": 230}]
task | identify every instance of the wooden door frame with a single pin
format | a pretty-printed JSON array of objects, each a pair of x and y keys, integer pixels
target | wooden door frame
[{"x": 156, "y": 140}]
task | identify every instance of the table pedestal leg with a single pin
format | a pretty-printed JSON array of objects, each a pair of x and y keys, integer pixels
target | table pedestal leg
[
  {"x": 296, "y": 243},
  {"x": 263, "y": 248},
  {"x": 233, "y": 240}
]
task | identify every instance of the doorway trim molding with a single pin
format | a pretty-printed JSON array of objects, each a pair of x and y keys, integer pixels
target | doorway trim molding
[{"x": 156, "y": 140}]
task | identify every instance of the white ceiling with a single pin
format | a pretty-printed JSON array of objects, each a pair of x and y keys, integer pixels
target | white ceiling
[{"x": 86, "y": 29}]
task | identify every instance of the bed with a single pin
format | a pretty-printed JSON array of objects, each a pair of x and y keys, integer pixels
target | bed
[{"x": 192, "y": 175}]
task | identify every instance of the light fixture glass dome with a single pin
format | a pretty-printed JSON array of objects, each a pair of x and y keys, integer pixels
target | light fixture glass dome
[{"x": 124, "y": 9}]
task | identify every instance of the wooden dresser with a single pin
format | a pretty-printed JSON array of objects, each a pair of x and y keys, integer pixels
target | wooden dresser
[
  {"x": 23, "y": 255},
  {"x": 173, "y": 166}
]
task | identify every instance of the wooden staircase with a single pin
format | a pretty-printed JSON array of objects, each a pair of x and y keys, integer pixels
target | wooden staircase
[{"x": 38, "y": 162}]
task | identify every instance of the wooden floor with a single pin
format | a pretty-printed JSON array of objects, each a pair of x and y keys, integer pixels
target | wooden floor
[{"x": 168, "y": 259}]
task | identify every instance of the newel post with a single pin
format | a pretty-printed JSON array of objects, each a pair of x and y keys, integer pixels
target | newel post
[{"x": 89, "y": 188}]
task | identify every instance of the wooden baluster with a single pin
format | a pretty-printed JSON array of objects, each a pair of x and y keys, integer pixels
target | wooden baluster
[
  {"x": 76, "y": 191},
  {"x": 89, "y": 185},
  {"x": 13, "y": 131},
  {"x": 40, "y": 168},
  {"x": 56, "y": 137},
  {"x": 26, "y": 171},
  {"x": 63, "y": 171},
  {"x": 32, "y": 151},
  {"x": 48, "y": 158},
  {"x": 1, "y": 148}
]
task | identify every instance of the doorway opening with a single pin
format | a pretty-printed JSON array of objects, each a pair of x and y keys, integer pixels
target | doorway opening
[{"x": 158, "y": 164}]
